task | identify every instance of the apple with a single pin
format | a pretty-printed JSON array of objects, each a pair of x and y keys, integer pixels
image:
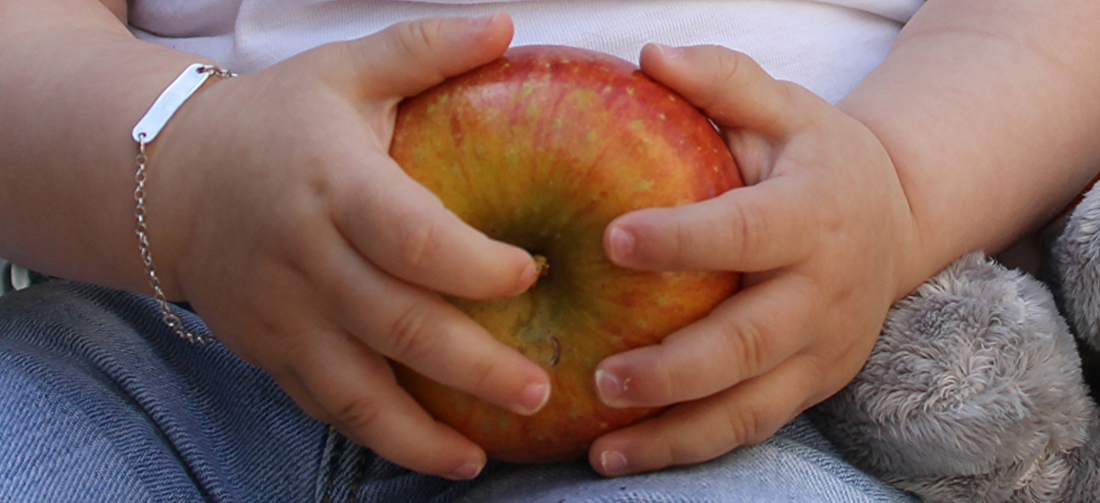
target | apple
[{"x": 542, "y": 148}]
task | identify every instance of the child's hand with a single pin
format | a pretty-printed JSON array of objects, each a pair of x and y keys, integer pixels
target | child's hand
[
  {"x": 311, "y": 254},
  {"x": 821, "y": 228}
]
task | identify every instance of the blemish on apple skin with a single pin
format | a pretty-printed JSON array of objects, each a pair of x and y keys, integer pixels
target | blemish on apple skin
[
  {"x": 663, "y": 117},
  {"x": 672, "y": 97},
  {"x": 527, "y": 90},
  {"x": 557, "y": 352},
  {"x": 592, "y": 136},
  {"x": 637, "y": 124}
]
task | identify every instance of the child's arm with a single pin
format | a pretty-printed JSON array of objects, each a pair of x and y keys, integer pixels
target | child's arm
[
  {"x": 272, "y": 207},
  {"x": 983, "y": 121}
]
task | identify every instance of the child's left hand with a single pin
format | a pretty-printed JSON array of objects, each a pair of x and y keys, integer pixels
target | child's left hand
[{"x": 821, "y": 230}]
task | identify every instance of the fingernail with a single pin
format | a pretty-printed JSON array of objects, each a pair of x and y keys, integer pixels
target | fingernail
[
  {"x": 669, "y": 52},
  {"x": 532, "y": 399},
  {"x": 483, "y": 21},
  {"x": 609, "y": 386},
  {"x": 466, "y": 472},
  {"x": 622, "y": 244},
  {"x": 612, "y": 462},
  {"x": 527, "y": 279}
]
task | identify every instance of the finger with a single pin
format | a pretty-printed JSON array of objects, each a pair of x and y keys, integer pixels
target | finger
[
  {"x": 755, "y": 228},
  {"x": 358, "y": 391},
  {"x": 702, "y": 430},
  {"x": 404, "y": 229},
  {"x": 748, "y": 335},
  {"x": 764, "y": 226},
  {"x": 409, "y": 57},
  {"x": 728, "y": 86},
  {"x": 430, "y": 336}
]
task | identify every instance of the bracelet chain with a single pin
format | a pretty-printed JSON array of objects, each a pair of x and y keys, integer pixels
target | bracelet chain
[{"x": 142, "y": 230}]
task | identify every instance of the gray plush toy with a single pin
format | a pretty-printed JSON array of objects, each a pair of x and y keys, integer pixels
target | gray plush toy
[{"x": 976, "y": 390}]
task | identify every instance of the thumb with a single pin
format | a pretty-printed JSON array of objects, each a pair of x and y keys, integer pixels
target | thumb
[
  {"x": 728, "y": 86},
  {"x": 409, "y": 57}
]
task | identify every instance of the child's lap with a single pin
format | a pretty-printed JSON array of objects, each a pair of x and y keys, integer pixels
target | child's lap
[{"x": 99, "y": 401}]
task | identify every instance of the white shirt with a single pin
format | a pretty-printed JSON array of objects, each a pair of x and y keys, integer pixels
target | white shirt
[{"x": 827, "y": 46}]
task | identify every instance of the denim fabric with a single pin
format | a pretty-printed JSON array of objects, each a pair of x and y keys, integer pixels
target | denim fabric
[
  {"x": 795, "y": 465},
  {"x": 99, "y": 401}
]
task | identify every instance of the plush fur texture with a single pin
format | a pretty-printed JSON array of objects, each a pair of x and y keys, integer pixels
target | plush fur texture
[
  {"x": 1075, "y": 257},
  {"x": 975, "y": 391}
]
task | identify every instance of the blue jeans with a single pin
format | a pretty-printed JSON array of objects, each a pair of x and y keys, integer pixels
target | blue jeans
[{"x": 99, "y": 401}]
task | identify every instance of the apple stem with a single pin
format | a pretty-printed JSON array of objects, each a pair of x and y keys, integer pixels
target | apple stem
[{"x": 543, "y": 267}]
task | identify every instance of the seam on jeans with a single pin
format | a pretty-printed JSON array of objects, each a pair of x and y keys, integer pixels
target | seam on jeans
[
  {"x": 333, "y": 466},
  {"x": 360, "y": 473}
]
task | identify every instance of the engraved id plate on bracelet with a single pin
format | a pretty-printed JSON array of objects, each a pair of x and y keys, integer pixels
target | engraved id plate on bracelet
[{"x": 169, "y": 101}]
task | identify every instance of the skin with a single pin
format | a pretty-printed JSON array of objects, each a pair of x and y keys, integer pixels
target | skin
[{"x": 331, "y": 259}]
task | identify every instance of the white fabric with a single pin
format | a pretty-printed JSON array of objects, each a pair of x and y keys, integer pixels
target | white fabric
[{"x": 825, "y": 45}]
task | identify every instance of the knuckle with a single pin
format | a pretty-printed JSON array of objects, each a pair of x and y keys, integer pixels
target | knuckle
[
  {"x": 419, "y": 39},
  {"x": 488, "y": 378},
  {"x": 409, "y": 340},
  {"x": 683, "y": 241},
  {"x": 746, "y": 345},
  {"x": 415, "y": 236},
  {"x": 729, "y": 66},
  {"x": 662, "y": 385},
  {"x": 833, "y": 382},
  {"x": 360, "y": 417},
  {"x": 678, "y": 451},
  {"x": 414, "y": 37},
  {"x": 750, "y": 224},
  {"x": 726, "y": 67},
  {"x": 744, "y": 424},
  {"x": 482, "y": 373}
]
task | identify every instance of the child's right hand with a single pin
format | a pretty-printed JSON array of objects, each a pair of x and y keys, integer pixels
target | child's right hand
[{"x": 275, "y": 211}]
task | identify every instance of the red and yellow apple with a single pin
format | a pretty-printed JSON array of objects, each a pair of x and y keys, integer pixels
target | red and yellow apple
[{"x": 542, "y": 148}]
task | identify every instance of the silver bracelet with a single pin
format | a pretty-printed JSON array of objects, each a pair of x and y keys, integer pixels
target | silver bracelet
[{"x": 144, "y": 133}]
